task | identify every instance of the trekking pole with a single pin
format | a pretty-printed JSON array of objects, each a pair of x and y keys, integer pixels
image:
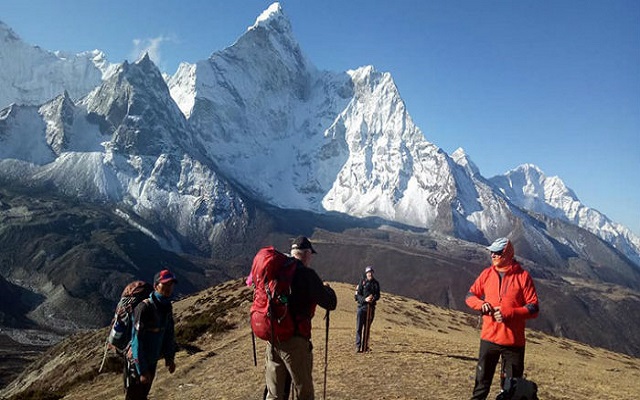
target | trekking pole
[
  {"x": 255, "y": 357},
  {"x": 104, "y": 356},
  {"x": 363, "y": 334},
  {"x": 369, "y": 320},
  {"x": 326, "y": 355},
  {"x": 365, "y": 331}
]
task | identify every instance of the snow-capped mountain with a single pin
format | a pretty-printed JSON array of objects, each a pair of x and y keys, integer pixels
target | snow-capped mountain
[
  {"x": 332, "y": 141},
  {"x": 260, "y": 117},
  {"x": 125, "y": 143},
  {"x": 30, "y": 75},
  {"x": 529, "y": 188}
]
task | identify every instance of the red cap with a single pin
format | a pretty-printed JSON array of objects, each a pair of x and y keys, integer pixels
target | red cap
[{"x": 165, "y": 276}]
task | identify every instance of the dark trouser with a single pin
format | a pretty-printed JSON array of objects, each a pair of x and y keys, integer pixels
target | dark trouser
[
  {"x": 361, "y": 319},
  {"x": 136, "y": 390},
  {"x": 512, "y": 364}
]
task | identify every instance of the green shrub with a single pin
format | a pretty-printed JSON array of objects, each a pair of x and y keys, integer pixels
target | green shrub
[{"x": 209, "y": 321}]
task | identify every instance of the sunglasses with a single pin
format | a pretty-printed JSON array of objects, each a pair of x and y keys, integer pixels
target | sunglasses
[{"x": 496, "y": 253}]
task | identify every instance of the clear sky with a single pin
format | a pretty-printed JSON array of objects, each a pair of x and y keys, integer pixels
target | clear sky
[{"x": 555, "y": 83}]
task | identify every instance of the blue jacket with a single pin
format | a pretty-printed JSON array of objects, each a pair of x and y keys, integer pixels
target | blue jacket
[{"x": 153, "y": 333}]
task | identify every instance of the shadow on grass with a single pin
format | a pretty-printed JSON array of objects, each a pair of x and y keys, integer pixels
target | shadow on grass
[{"x": 435, "y": 353}]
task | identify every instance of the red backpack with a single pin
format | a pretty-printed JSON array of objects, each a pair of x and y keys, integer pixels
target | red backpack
[{"x": 272, "y": 273}]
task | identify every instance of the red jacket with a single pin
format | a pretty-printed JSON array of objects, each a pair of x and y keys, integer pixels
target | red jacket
[{"x": 515, "y": 295}]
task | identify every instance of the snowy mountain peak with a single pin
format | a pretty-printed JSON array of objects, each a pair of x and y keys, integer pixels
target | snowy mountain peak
[
  {"x": 533, "y": 182},
  {"x": 461, "y": 158},
  {"x": 273, "y": 17},
  {"x": 135, "y": 107},
  {"x": 31, "y": 75},
  {"x": 529, "y": 188},
  {"x": 533, "y": 172},
  {"x": 7, "y": 34},
  {"x": 146, "y": 66}
]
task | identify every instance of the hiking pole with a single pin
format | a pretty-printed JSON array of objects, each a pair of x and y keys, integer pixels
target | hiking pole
[
  {"x": 369, "y": 312},
  {"x": 255, "y": 357},
  {"x": 364, "y": 343},
  {"x": 104, "y": 356},
  {"x": 326, "y": 355}
]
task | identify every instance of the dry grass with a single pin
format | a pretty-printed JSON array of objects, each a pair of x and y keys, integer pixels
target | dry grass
[{"x": 419, "y": 351}]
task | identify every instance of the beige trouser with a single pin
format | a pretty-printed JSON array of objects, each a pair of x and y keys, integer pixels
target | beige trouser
[{"x": 294, "y": 356}]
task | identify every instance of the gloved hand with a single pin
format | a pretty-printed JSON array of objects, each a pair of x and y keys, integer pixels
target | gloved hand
[{"x": 486, "y": 309}]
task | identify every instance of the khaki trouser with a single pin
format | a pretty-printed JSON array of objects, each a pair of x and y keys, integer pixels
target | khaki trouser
[{"x": 296, "y": 356}]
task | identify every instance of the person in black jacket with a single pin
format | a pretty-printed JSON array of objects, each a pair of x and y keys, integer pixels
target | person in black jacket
[
  {"x": 294, "y": 356},
  {"x": 367, "y": 294}
]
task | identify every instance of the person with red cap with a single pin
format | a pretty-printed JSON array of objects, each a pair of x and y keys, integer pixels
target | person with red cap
[
  {"x": 153, "y": 336},
  {"x": 505, "y": 295}
]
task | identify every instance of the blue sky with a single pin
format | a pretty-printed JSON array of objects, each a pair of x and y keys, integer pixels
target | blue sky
[{"x": 553, "y": 83}]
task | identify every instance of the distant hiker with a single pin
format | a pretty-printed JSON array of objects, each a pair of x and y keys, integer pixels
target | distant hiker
[
  {"x": 367, "y": 294},
  {"x": 505, "y": 295},
  {"x": 153, "y": 337},
  {"x": 295, "y": 354}
]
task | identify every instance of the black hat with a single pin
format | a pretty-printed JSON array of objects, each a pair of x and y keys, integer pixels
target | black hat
[{"x": 302, "y": 243}]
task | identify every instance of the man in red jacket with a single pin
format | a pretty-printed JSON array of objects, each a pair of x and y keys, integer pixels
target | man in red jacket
[{"x": 505, "y": 295}]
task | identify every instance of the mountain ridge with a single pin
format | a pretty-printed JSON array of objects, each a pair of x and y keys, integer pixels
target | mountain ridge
[{"x": 394, "y": 173}]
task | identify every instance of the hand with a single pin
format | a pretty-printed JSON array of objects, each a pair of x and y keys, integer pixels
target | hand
[
  {"x": 497, "y": 315},
  {"x": 171, "y": 366},
  {"x": 145, "y": 378},
  {"x": 369, "y": 298},
  {"x": 486, "y": 309}
]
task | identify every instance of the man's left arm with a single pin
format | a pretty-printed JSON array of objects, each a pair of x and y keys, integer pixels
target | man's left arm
[
  {"x": 169, "y": 345},
  {"x": 530, "y": 309},
  {"x": 321, "y": 293},
  {"x": 376, "y": 292}
]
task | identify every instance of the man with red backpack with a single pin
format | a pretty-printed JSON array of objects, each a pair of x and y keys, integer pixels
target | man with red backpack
[
  {"x": 505, "y": 295},
  {"x": 294, "y": 355}
]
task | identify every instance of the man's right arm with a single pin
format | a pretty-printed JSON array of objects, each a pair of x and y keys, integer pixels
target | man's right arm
[
  {"x": 475, "y": 296},
  {"x": 359, "y": 294}
]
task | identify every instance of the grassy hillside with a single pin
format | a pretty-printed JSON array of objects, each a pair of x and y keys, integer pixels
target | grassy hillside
[{"x": 419, "y": 351}]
